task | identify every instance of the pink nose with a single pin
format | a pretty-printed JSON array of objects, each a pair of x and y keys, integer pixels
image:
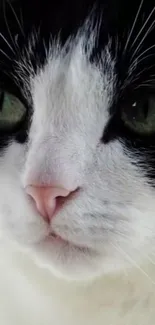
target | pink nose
[{"x": 45, "y": 199}]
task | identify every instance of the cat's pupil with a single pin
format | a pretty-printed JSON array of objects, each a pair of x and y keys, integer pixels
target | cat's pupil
[
  {"x": 140, "y": 109},
  {"x": 146, "y": 108}
]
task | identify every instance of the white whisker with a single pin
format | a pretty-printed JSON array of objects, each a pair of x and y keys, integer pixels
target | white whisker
[
  {"x": 150, "y": 80},
  {"x": 133, "y": 263},
  {"x": 150, "y": 260},
  {"x": 146, "y": 34},
  {"x": 146, "y": 21},
  {"x": 139, "y": 73},
  {"x": 144, "y": 85},
  {"x": 149, "y": 48},
  {"x": 5, "y": 54},
  {"x": 21, "y": 28},
  {"x": 124, "y": 236},
  {"x": 137, "y": 61},
  {"x": 133, "y": 26},
  {"x": 141, "y": 60},
  {"x": 8, "y": 26},
  {"x": 5, "y": 40},
  {"x": 21, "y": 18}
]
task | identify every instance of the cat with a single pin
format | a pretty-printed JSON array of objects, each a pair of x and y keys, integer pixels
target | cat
[{"x": 77, "y": 162}]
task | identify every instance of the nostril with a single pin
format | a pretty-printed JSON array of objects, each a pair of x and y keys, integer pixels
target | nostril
[
  {"x": 48, "y": 200},
  {"x": 38, "y": 204}
]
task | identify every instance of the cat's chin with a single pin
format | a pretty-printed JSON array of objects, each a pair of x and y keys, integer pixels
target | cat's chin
[
  {"x": 73, "y": 263},
  {"x": 64, "y": 259}
]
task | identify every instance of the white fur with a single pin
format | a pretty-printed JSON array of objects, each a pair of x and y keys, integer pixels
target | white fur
[
  {"x": 32, "y": 295},
  {"x": 110, "y": 223}
]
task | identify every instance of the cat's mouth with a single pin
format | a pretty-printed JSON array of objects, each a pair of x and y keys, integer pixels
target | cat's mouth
[
  {"x": 53, "y": 237},
  {"x": 57, "y": 237}
]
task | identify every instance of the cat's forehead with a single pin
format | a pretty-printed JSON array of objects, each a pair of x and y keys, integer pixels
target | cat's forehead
[
  {"x": 69, "y": 84},
  {"x": 127, "y": 31},
  {"x": 128, "y": 25}
]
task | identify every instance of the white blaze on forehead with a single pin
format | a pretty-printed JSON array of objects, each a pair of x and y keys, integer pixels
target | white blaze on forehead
[
  {"x": 70, "y": 92},
  {"x": 71, "y": 99}
]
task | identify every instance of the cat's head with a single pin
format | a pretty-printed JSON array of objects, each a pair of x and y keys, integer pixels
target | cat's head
[{"x": 77, "y": 134}]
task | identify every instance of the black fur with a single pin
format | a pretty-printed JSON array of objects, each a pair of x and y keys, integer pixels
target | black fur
[{"x": 19, "y": 18}]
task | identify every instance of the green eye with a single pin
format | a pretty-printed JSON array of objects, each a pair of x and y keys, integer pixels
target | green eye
[
  {"x": 139, "y": 115},
  {"x": 12, "y": 111}
]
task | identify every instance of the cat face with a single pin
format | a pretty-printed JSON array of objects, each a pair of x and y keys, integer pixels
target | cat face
[{"x": 77, "y": 112}]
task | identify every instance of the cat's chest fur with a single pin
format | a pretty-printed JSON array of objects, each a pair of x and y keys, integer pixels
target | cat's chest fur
[{"x": 30, "y": 295}]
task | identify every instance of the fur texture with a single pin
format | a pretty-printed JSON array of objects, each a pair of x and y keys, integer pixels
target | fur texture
[{"x": 73, "y": 86}]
